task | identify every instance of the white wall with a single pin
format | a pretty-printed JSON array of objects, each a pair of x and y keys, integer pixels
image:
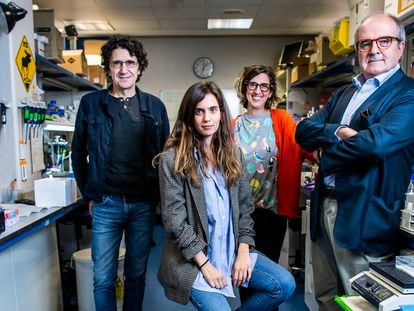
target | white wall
[
  {"x": 170, "y": 70},
  {"x": 171, "y": 61},
  {"x": 13, "y": 92}
]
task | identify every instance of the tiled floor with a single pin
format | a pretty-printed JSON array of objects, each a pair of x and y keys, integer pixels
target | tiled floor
[{"x": 155, "y": 299}]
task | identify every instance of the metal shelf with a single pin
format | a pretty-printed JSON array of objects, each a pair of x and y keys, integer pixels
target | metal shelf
[
  {"x": 54, "y": 126},
  {"x": 56, "y": 78},
  {"x": 339, "y": 72}
]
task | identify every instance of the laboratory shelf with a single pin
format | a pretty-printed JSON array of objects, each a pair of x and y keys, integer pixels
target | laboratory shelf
[
  {"x": 337, "y": 73},
  {"x": 57, "y": 78}
]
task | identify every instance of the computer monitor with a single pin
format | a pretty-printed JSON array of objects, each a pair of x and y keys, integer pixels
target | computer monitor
[{"x": 290, "y": 52}]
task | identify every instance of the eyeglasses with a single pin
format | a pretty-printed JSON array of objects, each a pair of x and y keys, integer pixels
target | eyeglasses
[
  {"x": 264, "y": 87},
  {"x": 117, "y": 64},
  {"x": 382, "y": 43}
]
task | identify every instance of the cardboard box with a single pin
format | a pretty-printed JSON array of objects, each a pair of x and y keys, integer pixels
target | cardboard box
[
  {"x": 44, "y": 24},
  {"x": 75, "y": 61},
  {"x": 402, "y": 9},
  {"x": 40, "y": 44},
  {"x": 56, "y": 191},
  {"x": 93, "y": 47},
  {"x": 301, "y": 61},
  {"x": 96, "y": 75},
  {"x": 323, "y": 55},
  {"x": 299, "y": 72},
  {"x": 312, "y": 68},
  {"x": 11, "y": 217},
  {"x": 359, "y": 9}
]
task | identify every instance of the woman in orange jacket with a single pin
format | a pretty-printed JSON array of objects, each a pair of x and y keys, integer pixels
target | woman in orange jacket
[{"x": 266, "y": 137}]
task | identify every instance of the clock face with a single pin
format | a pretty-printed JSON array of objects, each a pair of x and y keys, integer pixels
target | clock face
[{"x": 203, "y": 67}]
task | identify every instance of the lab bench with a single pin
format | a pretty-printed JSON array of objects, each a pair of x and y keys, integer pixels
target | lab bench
[{"x": 29, "y": 260}]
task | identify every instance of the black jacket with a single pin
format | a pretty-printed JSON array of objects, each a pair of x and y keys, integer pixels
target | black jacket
[{"x": 92, "y": 136}]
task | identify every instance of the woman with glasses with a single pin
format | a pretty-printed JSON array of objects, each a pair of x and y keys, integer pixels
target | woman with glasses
[
  {"x": 266, "y": 136},
  {"x": 117, "y": 133},
  {"x": 206, "y": 206}
]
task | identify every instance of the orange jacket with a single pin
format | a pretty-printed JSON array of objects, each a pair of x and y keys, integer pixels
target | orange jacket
[{"x": 289, "y": 163}]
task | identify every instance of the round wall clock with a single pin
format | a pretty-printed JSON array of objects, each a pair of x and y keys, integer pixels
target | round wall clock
[{"x": 203, "y": 67}]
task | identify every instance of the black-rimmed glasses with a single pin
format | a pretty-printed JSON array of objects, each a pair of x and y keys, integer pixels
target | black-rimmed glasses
[
  {"x": 117, "y": 64},
  {"x": 382, "y": 43},
  {"x": 264, "y": 87}
]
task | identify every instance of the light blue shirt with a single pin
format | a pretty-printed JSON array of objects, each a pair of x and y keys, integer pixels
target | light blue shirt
[
  {"x": 222, "y": 249},
  {"x": 364, "y": 89}
]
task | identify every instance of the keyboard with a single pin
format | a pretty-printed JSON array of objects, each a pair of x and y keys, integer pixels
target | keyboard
[{"x": 388, "y": 270}]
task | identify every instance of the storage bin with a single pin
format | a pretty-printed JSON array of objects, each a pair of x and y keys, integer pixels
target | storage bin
[
  {"x": 55, "y": 191},
  {"x": 339, "y": 41},
  {"x": 84, "y": 279}
]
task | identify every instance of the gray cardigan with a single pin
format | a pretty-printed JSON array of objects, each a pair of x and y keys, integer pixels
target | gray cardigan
[{"x": 184, "y": 215}]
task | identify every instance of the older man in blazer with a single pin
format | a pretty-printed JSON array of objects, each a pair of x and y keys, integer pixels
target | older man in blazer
[{"x": 365, "y": 138}]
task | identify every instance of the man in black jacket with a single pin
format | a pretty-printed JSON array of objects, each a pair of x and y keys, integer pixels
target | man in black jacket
[{"x": 118, "y": 131}]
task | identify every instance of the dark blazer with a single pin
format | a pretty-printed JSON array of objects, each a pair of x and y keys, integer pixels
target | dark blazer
[
  {"x": 91, "y": 141},
  {"x": 184, "y": 215},
  {"x": 372, "y": 169}
]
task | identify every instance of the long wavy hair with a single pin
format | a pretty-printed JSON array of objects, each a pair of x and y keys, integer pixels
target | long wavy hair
[
  {"x": 184, "y": 138},
  {"x": 249, "y": 73}
]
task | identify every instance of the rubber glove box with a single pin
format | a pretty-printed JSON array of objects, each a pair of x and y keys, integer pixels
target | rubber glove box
[{"x": 56, "y": 191}]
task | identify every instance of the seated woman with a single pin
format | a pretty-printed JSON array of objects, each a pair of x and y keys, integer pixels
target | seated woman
[{"x": 206, "y": 208}]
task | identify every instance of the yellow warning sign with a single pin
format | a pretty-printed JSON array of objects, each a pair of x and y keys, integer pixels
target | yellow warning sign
[{"x": 25, "y": 62}]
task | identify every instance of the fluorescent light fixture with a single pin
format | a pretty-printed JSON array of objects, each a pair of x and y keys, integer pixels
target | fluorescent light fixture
[
  {"x": 230, "y": 23},
  {"x": 90, "y": 25}
]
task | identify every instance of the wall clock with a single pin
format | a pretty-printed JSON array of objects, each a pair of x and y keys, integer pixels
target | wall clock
[{"x": 203, "y": 67}]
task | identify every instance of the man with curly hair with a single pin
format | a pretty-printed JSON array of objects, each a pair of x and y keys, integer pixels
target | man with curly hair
[{"x": 117, "y": 133}]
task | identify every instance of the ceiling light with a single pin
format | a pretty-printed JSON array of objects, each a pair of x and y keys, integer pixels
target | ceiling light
[
  {"x": 90, "y": 25},
  {"x": 230, "y": 23}
]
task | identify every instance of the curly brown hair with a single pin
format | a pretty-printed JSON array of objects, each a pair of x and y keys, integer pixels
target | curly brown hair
[
  {"x": 133, "y": 46},
  {"x": 249, "y": 73}
]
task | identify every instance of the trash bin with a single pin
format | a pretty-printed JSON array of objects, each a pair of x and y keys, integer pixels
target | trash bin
[{"x": 84, "y": 279}]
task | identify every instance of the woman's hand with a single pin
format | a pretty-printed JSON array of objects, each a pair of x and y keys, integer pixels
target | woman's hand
[
  {"x": 242, "y": 267},
  {"x": 213, "y": 276}
]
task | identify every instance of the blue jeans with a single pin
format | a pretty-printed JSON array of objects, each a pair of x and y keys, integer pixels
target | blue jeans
[
  {"x": 270, "y": 283},
  {"x": 110, "y": 218}
]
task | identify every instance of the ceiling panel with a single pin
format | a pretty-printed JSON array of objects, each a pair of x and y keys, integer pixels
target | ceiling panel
[
  {"x": 65, "y": 4},
  {"x": 180, "y": 13},
  {"x": 183, "y": 24},
  {"x": 216, "y": 12},
  {"x": 138, "y": 13},
  {"x": 134, "y": 25},
  {"x": 177, "y": 3},
  {"x": 189, "y": 17}
]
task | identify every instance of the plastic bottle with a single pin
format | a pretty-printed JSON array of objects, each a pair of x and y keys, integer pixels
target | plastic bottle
[
  {"x": 51, "y": 110},
  {"x": 61, "y": 111}
]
